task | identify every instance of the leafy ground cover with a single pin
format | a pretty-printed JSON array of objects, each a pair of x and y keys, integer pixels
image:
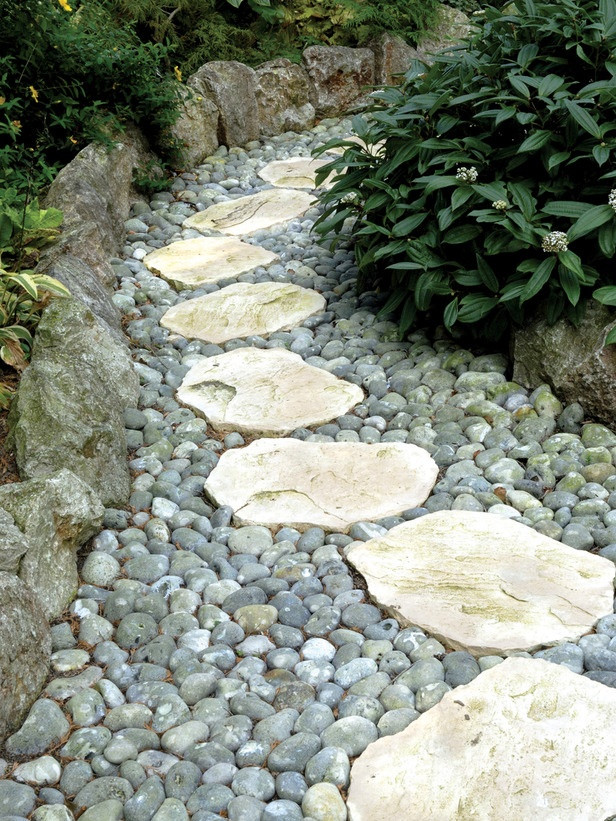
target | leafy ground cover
[{"x": 490, "y": 191}]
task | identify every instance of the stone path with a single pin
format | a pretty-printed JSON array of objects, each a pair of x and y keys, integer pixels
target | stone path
[{"x": 221, "y": 661}]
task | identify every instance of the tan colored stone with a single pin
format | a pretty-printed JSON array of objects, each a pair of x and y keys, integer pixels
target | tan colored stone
[
  {"x": 485, "y": 584},
  {"x": 525, "y": 740},
  {"x": 374, "y": 149},
  {"x": 245, "y": 215},
  {"x": 270, "y": 392},
  {"x": 193, "y": 262},
  {"x": 242, "y": 310},
  {"x": 331, "y": 485},
  {"x": 298, "y": 172}
]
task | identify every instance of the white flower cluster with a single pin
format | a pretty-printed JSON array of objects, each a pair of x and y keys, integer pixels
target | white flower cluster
[
  {"x": 554, "y": 242},
  {"x": 500, "y": 205},
  {"x": 467, "y": 174},
  {"x": 612, "y": 198}
]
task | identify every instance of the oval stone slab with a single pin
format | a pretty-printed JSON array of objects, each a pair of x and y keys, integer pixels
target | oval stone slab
[
  {"x": 298, "y": 172},
  {"x": 192, "y": 262},
  {"x": 276, "y": 482},
  {"x": 245, "y": 215},
  {"x": 243, "y": 309},
  {"x": 484, "y": 584},
  {"x": 526, "y": 739},
  {"x": 270, "y": 392}
]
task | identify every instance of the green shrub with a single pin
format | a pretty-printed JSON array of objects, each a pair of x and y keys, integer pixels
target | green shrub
[
  {"x": 491, "y": 193},
  {"x": 68, "y": 76}
]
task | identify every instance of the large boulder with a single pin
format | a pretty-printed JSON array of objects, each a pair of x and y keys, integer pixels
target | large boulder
[
  {"x": 392, "y": 58},
  {"x": 94, "y": 193},
  {"x": 68, "y": 410},
  {"x": 574, "y": 361},
  {"x": 197, "y": 126},
  {"x": 453, "y": 25},
  {"x": 25, "y": 648},
  {"x": 231, "y": 86},
  {"x": 339, "y": 77},
  {"x": 13, "y": 543},
  {"x": 55, "y": 515},
  {"x": 283, "y": 98}
]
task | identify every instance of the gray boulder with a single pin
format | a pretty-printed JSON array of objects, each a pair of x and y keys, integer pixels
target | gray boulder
[
  {"x": 197, "y": 126},
  {"x": 340, "y": 77},
  {"x": 56, "y": 515},
  {"x": 231, "y": 86},
  {"x": 392, "y": 58},
  {"x": 94, "y": 193},
  {"x": 68, "y": 409},
  {"x": 574, "y": 361},
  {"x": 283, "y": 98},
  {"x": 13, "y": 543},
  {"x": 453, "y": 26},
  {"x": 25, "y": 648}
]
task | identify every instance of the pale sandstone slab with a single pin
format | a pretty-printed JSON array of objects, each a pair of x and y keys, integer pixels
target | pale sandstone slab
[
  {"x": 245, "y": 215},
  {"x": 303, "y": 484},
  {"x": 193, "y": 262},
  {"x": 269, "y": 392},
  {"x": 484, "y": 584},
  {"x": 298, "y": 172},
  {"x": 242, "y": 310},
  {"x": 526, "y": 739}
]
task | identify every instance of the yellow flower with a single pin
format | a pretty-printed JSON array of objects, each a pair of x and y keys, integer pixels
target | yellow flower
[
  {"x": 73, "y": 140},
  {"x": 34, "y": 93},
  {"x": 178, "y": 74},
  {"x": 16, "y": 124},
  {"x": 2, "y": 100},
  {"x": 65, "y": 5}
]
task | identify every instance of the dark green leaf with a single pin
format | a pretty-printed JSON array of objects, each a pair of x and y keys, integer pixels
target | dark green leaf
[
  {"x": 607, "y": 239},
  {"x": 538, "y": 279},
  {"x": 592, "y": 219},
  {"x": 522, "y": 197},
  {"x": 408, "y": 225},
  {"x": 461, "y": 233},
  {"x": 583, "y": 118},
  {"x": 450, "y": 314},
  {"x": 535, "y": 141},
  {"x": 606, "y": 295},
  {"x": 570, "y": 284},
  {"x": 557, "y": 159},
  {"x": 601, "y": 153},
  {"x": 488, "y": 277},
  {"x": 474, "y": 307},
  {"x": 566, "y": 208},
  {"x": 610, "y": 339}
]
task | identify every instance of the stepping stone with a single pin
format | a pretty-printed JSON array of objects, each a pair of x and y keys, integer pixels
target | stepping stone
[
  {"x": 526, "y": 739},
  {"x": 193, "y": 262},
  {"x": 245, "y": 215},
  {"x": 243, "y": 310},
  {"x": 298, "y": 172},
  {"x": 276, "y": 482},
  {"x": 485, "y": 584},
  {"x": 269, "y": 392}
]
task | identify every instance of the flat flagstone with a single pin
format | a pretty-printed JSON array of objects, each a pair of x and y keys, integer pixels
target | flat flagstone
[
  {"x": 331, "y": 485},
  {"x": 270, "y": 392},
  {"x": 193, "y": 262},
  {"x": 298, "y": 172},
  {"x": 526, "y": 739},
  {"x": 242, "y": 310},
  {"x": 245, "y": 215},
  {"x": 485, "y": 584}
]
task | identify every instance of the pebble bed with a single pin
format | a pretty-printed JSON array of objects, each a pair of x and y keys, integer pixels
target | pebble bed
[{"x": 168, "y": 702}]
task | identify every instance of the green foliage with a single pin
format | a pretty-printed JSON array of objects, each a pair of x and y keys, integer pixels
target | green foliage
[
  {"x": 491, "y": 193},
  {"x": 68, "y": 76},
  {"x": 24, "y": 230},
  {"x": 355, "y": 22}
]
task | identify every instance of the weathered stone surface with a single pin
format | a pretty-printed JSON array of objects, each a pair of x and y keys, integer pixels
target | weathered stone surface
[
  {"x": 193, "y": 262},
  {"x": 269, "y": 392},
  {"x": 25, "y": 648},
  {"x": 85, "y": 284},
  {"x": 485, "y": 584},
  {"x": 298, "y": 172},
  {"x": 13, "y": 543},
  {"x": 68, "y": 411},
  {"x": 284, "y": 481},
  {"x": 521, "y": 741},
  {"x": 392, "y": 58},
  {"x": 94, "y": 192},
  {"x": 232, "y": 87},
  {"x": 243, "y": 309},
  {"x": 283, "y": 98},
  {"x": 57, "y": 514},
  {"x": 339, "y": 76},
  {"x": 245, "y": 215},
  {"x": 452, "y": 27},
  {"x": 197, "y": 126},
  {"x": 574, "y": 361}
]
